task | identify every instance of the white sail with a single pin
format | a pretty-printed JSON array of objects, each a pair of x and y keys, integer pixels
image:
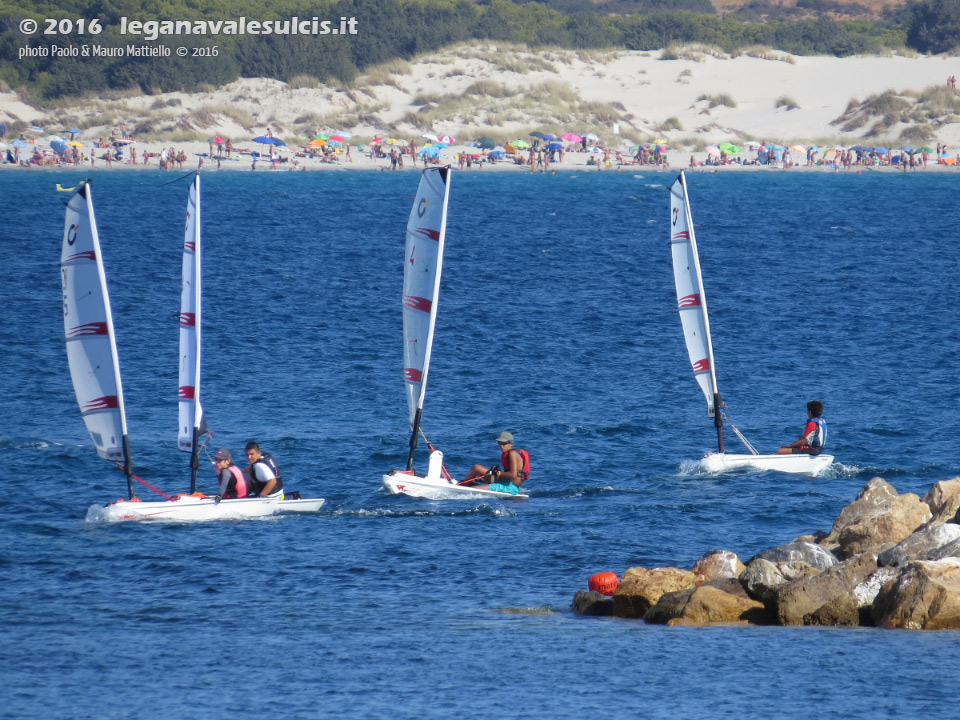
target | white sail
[
  {"x": 423, "y": 261},
  {"x": 190, "y": 413},
  {"x": 690, "y": 297},
  {"x": 88, "y": 327}
]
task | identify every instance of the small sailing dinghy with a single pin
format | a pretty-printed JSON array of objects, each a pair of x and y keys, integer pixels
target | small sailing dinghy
[
  {"x": 696, "y": 331},
  {"x": 423, "y": 262},
  {"x": 95, "y": 369}
]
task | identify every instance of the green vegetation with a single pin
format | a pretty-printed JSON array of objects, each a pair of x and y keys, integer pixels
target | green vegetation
[{"x": 391, "y": 32}]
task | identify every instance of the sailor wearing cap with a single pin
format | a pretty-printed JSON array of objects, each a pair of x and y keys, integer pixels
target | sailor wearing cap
[
  {"x": 232, "y": 482},
  {"x": 509, "y": 475}
]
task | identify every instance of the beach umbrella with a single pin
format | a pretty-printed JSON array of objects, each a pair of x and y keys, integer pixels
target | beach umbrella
[
  {"x": 339, "y": 137},
  {"x": 753, "y": 144},
  {"x": 924, "y": 149},
  {"x": 431, "y": 138},
  {"x": 34, "y": 128},
  {"x": 520, "y": 144},
  {"x": 74, "y": 143},
  {"x": 729, "y": 148},
  {"x": 448, "y": 139},
  {"x": 343, "y": 134},
  {"x": 907, "y": 149},
  {"x": 74, "y": 131},
  {"x": 555, "y": 146},
  {"x": 430, "y": 151},
  {"x": 316, "y": 143},
  {"x": 591, "y": 136},
  {"x": 18, "y": 143},
  {"x": 59, "y": 147},
  {"x": 55, "y": 139},
  {"x": 713, "y": 151},
  {"x": 548, "y": 137},
  {"x": 392, "y": 141},
  {"x": 571, "y": 137},
  {"x": 486, "y": 143},
  {"x": 536, "y": 134},
  {"x": 497, "y": 154},
  {"x": 216, "y": 140},
  {"x": 264, "y": 140},
  {"x": 881, "y": 150},
  {"x": 799, "y": 149},
  {"x": 859, "y": 148},
  {"x": 377, "y": 140}
]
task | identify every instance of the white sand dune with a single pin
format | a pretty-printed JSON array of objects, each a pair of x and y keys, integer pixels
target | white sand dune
[{"x": 505, "y": 92}]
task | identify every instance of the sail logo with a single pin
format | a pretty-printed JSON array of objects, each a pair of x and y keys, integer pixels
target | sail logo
[
  {"x": 94, "y": 328},
  {"x": 681, "y": 236},
  {"x": 190, "y": 246},
  {"x": 108, "y": 402},
  {"x": 676, "y": 216},
  {"x": 72, "y": 234},
  {"x": 417, "y": 303},
  {"x": 422, "y": 207},
  {"x": 87, "y": 255},
  {"x": 701, "y": 366},
  {"x": 428, "y": 233},
  {"x": 188, "y": 319},
  {"x": 187, "y": 392},
  {"x": 689, "y": 301},
  {"x": 412, "y": 375}
]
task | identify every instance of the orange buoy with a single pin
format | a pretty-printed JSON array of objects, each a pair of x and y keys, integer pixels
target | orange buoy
[{"x": 604, "y": 583}]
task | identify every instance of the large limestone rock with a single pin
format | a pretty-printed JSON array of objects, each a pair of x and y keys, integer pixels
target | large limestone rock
[
  {"x": 806, "y": 596},
  {"x": 641, "y": 588},
  {"x": 921, "y": 545},
  {"x": 866, "y": 592},
  {"x": 718, "y": 565},
  {"x": 841, "y": 610},
  {"x": 761, "y": 577},
  {"x": 943, "y": 499},
  {"x": 926, "y": 595},
  {"x": 717, "y": 602},
  {"x": 879, "y": 515},
  {"x": 800, "y": 551}
]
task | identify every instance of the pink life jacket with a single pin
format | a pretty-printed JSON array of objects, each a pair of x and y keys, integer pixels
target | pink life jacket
[
  {"x": 241, "y": 481},
  {"x": 525, "y": 470}
]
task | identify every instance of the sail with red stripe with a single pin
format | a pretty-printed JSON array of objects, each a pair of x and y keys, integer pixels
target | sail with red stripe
[
  {"x": 691, "y": 301},
  {"x": 190, "y": 412},
  {"x": 423, "y": 260},
  {"x": 88, "y": 329}
]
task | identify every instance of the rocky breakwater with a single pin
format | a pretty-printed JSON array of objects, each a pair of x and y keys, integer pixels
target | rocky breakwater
[{"x": 890, "y": 560}]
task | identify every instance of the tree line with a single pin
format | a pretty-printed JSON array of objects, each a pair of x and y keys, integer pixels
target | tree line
[{"x": 391, "y": 29}]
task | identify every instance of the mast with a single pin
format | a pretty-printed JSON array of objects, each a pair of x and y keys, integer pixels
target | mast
[
  {"x": 423, "y": 262},
  {"x": 692, "y": 301},
  {"x": 88, "y": 329},
  {"x": 190, "y": 411}
]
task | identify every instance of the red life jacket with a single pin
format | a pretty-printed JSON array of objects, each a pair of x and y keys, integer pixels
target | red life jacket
[
  {"x": 525, "y": 470},
  {"x": 241, "y": 481}
]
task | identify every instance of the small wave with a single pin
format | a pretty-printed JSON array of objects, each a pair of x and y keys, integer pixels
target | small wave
[
  {"x": 576, "y": 492},
  {"x": 483, "y": 510},
  {"x": 542, "y": 610}
]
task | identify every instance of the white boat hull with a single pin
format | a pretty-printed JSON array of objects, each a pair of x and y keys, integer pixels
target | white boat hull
[
  {"x": 437, "y": 488},
  {"x": 191, "y": 508},
  {"x": 810, "y": 465}
]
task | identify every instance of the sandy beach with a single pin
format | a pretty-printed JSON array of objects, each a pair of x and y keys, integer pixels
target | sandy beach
[{"x": 686, "y": 99}]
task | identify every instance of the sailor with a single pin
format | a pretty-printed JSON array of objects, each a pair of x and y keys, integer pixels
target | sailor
[
  {"x": 263, "y": 474},
  {"x": 232, "y": 482},
  {"x": 507, "y": 477},
  {"x": 814, "y": 433}
]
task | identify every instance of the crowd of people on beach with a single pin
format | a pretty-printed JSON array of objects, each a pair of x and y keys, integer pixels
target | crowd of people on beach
[{"x": 541, "y": 155}]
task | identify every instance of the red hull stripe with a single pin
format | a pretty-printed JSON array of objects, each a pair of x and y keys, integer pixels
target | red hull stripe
[
  {"x": 412, "y": 374},
  {"x": 417, "y": 303},
  {"x": 94, "y": 328}
]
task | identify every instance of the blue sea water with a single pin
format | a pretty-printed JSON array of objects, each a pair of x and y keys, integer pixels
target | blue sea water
[{"x": 557, "y": 321}]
